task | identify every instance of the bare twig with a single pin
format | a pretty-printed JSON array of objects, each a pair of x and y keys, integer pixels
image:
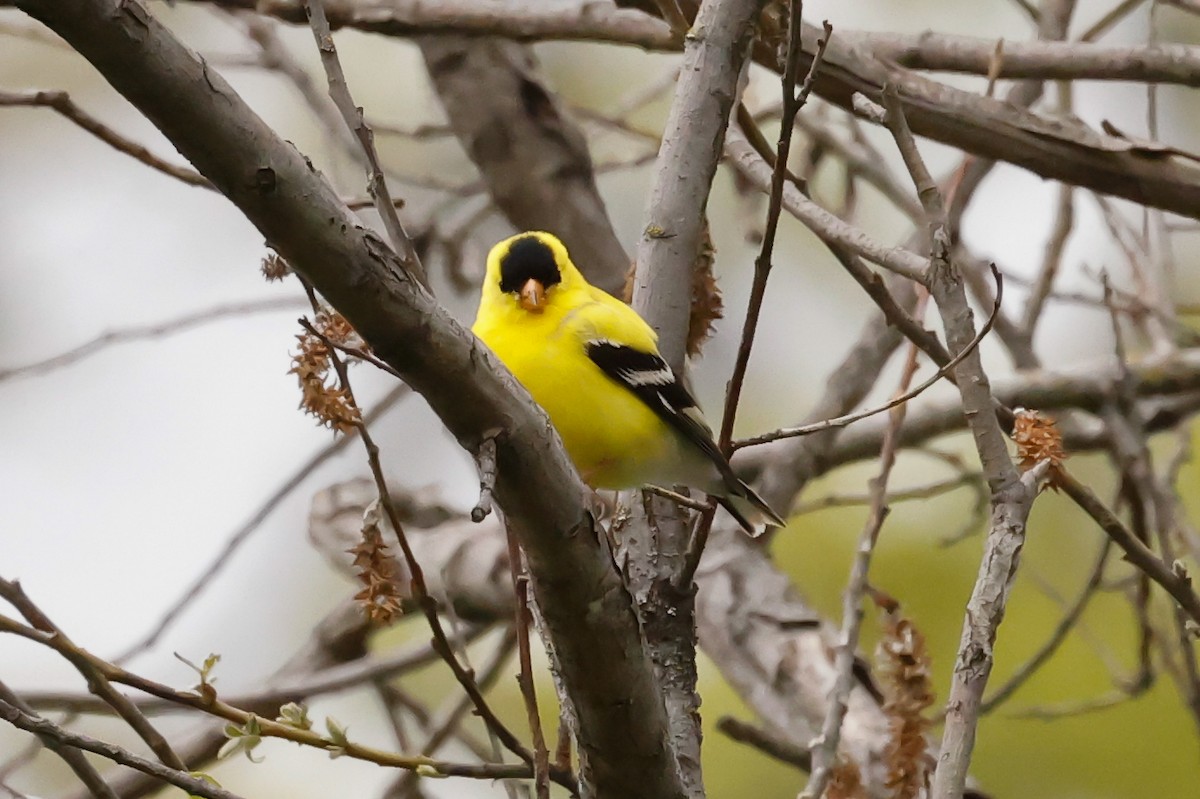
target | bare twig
[
  {"x": 1110, "y": 19},
  {"x": 1012, "y": 495},
  {"x": 679, "y": 499},
  {"x": 155, "y": 330},
  {"x": 1061, "y": 630},
  {"x": 425, "y": 601},
  {"x": 485, "y": 460},
  {"x": 1173, "y": 577},
  {"x": 56, "y": 737},
  {"x": 824, "y": 224},
  {"x": 928, "y": 491},
  {"x": 97, "y": 681},
  {"x": 1064, "y": 220},
  {"x": 221, "y": 709},
  {"x": 792, "y": 103},
  {"x": 824, "y": 750},
  {"x": 843, "y": 421},
  {"x": 870, "y": 282},
  {"x": 243, "y": 533},
  {"x": 445, "y": 724},
  {"x": 278, "y": 691},
  {"x": 71, "y": 755},
  {"x": 353, "y": 116},
  {"x": 273, "y": 54},
  {"x": 762, "y": 740},
  {"x": 522, "y": 623},
  {"x": 366, "y": 356},
  {"x": 62, "y": 103}
]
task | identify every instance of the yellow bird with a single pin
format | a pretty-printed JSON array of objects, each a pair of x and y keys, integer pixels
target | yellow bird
[{"x": 592, "y": 363}]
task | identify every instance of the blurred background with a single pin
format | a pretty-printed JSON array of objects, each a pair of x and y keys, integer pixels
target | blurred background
[{"x": 124, "y": 473}]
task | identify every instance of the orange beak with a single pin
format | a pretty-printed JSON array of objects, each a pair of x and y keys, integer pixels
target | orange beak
[{"x": 533, "y": 296}]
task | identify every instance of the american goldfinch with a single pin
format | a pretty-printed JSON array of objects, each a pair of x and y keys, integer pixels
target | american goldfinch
[{"x": 592, "y": 363}]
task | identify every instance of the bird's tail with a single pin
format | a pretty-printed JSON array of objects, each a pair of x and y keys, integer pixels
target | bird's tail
[{"x": 751, "y": 511}]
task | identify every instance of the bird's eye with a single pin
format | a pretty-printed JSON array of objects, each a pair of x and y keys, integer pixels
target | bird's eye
[{"x": 528, "y": 258}]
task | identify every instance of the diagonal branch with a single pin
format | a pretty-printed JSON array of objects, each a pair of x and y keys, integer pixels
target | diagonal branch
[
  {"x": 57, "y": 737},
  {"x": 71, "y": 755},
  {"x": 1012, "y": 495},
  {"x": 1064, "y": 150},
  {"x": 604, "y": 666},
  {"x": 339, "y": 92}
]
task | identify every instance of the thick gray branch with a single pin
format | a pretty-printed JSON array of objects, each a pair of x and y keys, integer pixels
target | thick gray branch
[
  {"x": 1063, "y": 150},
  {"x": 713, "y": 56},
  {"x": 1049, "y": 60},
  {"x": 655, "y": 543},
  {"x": 609, "y": 678}
]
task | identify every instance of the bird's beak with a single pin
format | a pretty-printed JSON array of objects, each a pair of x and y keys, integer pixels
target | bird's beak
[{"x": 533, "y": 296}]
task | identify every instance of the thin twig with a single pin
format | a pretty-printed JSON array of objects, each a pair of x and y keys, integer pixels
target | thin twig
[
  {"x": 1173, "y": 577},
  {"x": 56, "y": 737},
  {"x": 61, "y": 102},
  {"x": 419, "y": 587},
  {"x": 792, "y": 103},
  {"x": 97, "y": 682},
  {"x": 522, "y": 623},
  {"x": 679, "y": 499},
  {"x": 1073, "y": 709},
  {"x": 339, "y": 91},
  {"x": 1064, "y": 220},
  {"x": 447, "y": 722},
  {"x": 365, "y": 355},
  {"x": 330, "y": 680},
  {"x": 74, "y": 759},
  {"x": 1110, "y": 19},
  {"x": 243, "y": 533},
  {"x": 824, "y": 224},
  {"x": 917, "y": 492},
  {"x": 215, "y": 706},
  {"x": 155, "y": 330},
  {"x": 777, "y": 747},
  {"x": 867, "y": 278},
  {"x": 1012, "y": 494},
  {"x": 824, "y": 750},
  {"x": 842, "y": 421}
]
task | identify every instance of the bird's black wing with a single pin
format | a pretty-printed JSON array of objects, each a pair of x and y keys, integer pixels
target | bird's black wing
[{"x": 652, "y": 380}]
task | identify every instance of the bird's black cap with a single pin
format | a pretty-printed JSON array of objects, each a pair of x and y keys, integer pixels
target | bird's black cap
[{"x": 527, "y": 258}]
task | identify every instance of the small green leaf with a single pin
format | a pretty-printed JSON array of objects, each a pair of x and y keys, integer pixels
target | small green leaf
[
  {"x": 205, "y": 686},
  {"x": 338, "y": 742},
  {"x": 244, "y": 739},
  {"x": 200, "y": 775},
  {"x": 295, "y": 715}
]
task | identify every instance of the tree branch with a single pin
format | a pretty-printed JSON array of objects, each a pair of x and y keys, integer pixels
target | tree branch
[
  {"x": 57, "y": 737},
  {"x": 606, "y": 671},
  {"x": 531, "y": 154}
]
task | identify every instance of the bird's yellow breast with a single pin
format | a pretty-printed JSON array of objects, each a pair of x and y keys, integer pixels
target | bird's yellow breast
[{"x": 614, "y": 439}]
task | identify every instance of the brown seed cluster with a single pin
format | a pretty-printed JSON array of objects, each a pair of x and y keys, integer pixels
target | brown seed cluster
[
  {"x": 845, "y": 781},
  {"x": 1039, "y": 439},
  {"x": 330, "y": 404},
  {"x": 707, "y": 303},
  {"x": 274, "y": 268},
  {"x": 907, "y": 687},
  {"x": 380, "y": 594}
]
